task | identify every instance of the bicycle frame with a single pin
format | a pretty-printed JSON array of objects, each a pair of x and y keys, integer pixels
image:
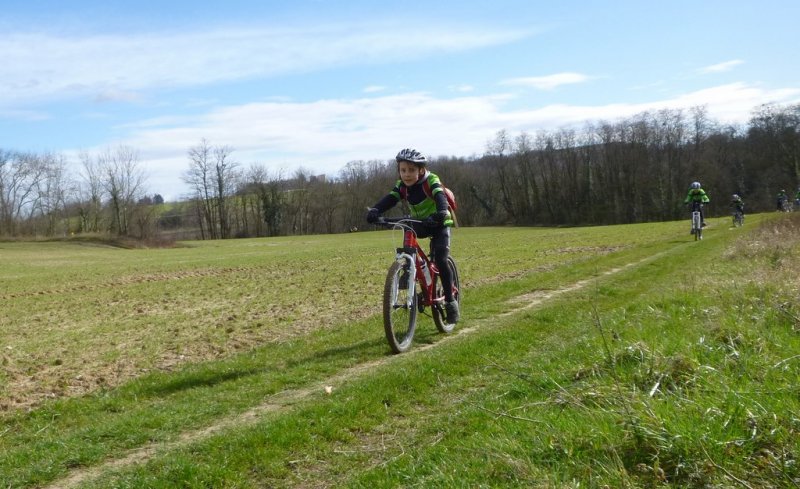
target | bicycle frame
[{"x": 424, "y": 271}]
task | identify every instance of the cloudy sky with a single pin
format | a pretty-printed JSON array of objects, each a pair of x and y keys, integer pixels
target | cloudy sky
[{"x": 315, "y": 84}]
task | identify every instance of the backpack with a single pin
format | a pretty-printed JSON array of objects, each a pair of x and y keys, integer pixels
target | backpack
[{"x": 449, "y": 195}]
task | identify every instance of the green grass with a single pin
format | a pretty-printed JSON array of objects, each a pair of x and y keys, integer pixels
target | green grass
[{"x": 679, "y": 369}]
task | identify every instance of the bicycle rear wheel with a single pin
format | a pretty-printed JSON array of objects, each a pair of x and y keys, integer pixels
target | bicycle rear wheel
[
  {"x": 399, "y": 308},
  {"x": 439, "y": 316}
]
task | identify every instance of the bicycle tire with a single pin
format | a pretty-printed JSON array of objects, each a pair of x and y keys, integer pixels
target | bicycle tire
[
  {"x": 439, "y": 316},
  {"x": 399, "y": 312},
  {"x": 697, "y": 226}
]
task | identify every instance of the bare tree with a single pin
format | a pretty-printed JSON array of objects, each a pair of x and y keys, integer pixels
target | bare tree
[
  {"x": 123, "y": 182},
  {"x": 213, "y": 177},
  {"x": 199, "y": 177},
  {"x": 226, "y": 177},
  {"x": 90, "y": 194},
  {"x": 271, "y": 197},
  {"x": 20, "y": 175},
  {"x": 52, "y": 193}
]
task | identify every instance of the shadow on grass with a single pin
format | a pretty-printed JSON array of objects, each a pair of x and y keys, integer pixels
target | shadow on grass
[
  {"x": 208, "y": 377},
  {"x": 214, "y": 374},
  {"x": 360, "y": 351}
]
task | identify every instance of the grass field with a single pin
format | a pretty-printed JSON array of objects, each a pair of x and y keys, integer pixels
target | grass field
[{"x": 619, "y": 356}]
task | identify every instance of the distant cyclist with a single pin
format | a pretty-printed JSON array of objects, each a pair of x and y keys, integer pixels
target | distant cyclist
[
  {"x": 697, "y": 194},
  {"x": 738, "y": 204},
  {"x": 781, "y": 200}
]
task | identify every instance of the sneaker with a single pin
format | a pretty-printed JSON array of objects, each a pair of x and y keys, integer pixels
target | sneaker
[{"x": 451, "y": 308}]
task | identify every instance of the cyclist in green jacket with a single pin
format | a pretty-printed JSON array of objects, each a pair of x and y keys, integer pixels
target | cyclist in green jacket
[
  {"x": 697, "y": 194},
  {"x": 427, "y": 201}
]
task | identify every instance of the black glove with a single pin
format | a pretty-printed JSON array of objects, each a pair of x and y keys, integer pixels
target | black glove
[
  {"x": 373, "y": 215},
  {"x": 435, "y": 220},
  {"x": 431, "y": 222}
]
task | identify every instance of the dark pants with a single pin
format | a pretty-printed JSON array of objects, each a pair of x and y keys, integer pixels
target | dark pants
[
  {"x": 699, "y": 207},
  {"x": 440, "y": 249}
]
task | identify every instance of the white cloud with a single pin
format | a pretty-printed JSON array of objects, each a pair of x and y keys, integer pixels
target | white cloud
[
  {"x": 37, "y": 66},
  {"x": 721, "y": 67},
  {"x": 374, "y": 89},
  {"x": 548, "y": 82}
]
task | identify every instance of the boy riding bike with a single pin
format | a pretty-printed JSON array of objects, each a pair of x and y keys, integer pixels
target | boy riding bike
[
  {"x": 413, "y": 187},
  {"x": 697, "y": 194}
]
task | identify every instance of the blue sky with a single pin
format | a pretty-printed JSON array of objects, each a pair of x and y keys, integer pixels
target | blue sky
[{"x": 315, "y": 84}]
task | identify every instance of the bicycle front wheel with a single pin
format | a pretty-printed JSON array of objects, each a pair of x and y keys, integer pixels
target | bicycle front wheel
[
  {"x": 439, "y": 316},
  {"x": 399, "y": 307}
]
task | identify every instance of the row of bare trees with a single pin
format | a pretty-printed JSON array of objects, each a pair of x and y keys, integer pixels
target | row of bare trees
[
  {"x": 38, "y": 196},
  {"x": 631, "y": 170}
]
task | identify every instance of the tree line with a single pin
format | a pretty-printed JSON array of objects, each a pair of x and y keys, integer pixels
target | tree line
[{"x": 634, "y": 169}]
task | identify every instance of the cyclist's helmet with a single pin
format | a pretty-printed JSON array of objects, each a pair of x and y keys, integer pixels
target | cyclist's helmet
[
  {"x": 412, "y": 156},
  {"x": 735, "y": 196},
  {"x": 695, "y": 185}
]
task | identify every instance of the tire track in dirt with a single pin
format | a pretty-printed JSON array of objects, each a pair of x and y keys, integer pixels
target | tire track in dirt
[{"x": 285, "y": 400}]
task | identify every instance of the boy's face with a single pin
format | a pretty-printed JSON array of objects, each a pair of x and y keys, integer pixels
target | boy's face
[{"x": 409, "y": 172}]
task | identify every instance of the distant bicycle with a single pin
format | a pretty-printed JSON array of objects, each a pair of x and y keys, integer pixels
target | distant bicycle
[
  {"x": 738, "y": 218},
  {"x": 697, "y": 221},
  {"x": 413, "y": 284}
]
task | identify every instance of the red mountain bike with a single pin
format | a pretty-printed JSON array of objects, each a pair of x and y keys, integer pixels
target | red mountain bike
[{"x": 412, "y": 285}]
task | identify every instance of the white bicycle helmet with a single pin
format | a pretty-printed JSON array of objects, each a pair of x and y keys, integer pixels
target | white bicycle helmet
[
  {"x": 695, "y": 185},
  {"x": 412, "y": 156},
  {"x": 735, "y": 196}
]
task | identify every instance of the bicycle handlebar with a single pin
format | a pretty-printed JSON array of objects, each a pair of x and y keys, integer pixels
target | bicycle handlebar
[
  {"x": 404, "y": 223},
  {"x": 396, "y": 220}
]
